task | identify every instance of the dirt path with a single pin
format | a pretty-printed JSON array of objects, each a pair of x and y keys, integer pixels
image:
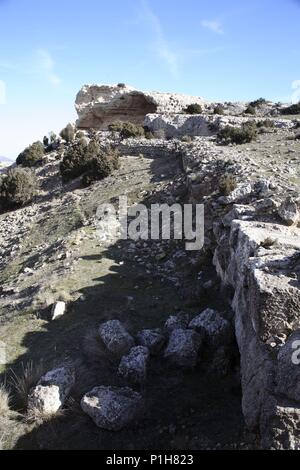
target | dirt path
[{"x": 141, "y": 284}]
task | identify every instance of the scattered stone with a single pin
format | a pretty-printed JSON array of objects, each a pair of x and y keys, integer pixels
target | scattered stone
[
  {"x": 133, "y": 367},
  {"x": 58, "y": 310},
  {"x": 115, "y": 337},
  {"x": 49, "y": 395},
  {"x": 217, "y": 330},
  {"x": 151, "y": 339},
  {"x": 175, "y": 322},
  {"x": 288, "y": 211},
  {"x": 183, "y": 348},
  {"x": 112, "y": 408}
]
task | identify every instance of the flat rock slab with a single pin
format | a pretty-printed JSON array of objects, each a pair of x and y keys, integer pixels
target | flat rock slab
[
  {"x": 112, "y": 408},
  {"x": 115, "y": 337}
]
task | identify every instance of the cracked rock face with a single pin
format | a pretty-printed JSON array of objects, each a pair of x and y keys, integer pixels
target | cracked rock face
[
  {"x": 100, "y": 105},
  {"x": 115, "y": 337},
  {"x": 112, "y": 408}
]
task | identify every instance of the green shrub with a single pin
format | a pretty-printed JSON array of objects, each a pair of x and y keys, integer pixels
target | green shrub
[
  {"x": 127, "y": 129},
  {"x": 68, "y": 133},
  {"x": 194, "y": 109},
  {"x": 88, "y": 160},
  {"x": 266, "y": 123},
  {"x": 236, "y": 135},
  {"x": 31, "y": 155},
  {"x": 293, "y": 109},
  {"x": 101, "y": 166},
  {"x": 250, "y": 110},
  {"x": 258, "y": 103},
  {"x": 219, "y": 110},
  {"x": 17, "y": 188}
]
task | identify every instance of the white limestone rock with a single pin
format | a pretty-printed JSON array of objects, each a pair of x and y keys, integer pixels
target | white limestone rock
[
  {"x": 50, "y": 394},
  {"x": 58, "y": 310}
]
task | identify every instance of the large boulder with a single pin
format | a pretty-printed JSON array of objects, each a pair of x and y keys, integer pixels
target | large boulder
[
  {"x": 183, "y": 348},
  {"x": 100, "y": 105},
  {"x": 133, "y": 367},
  {"x": 115, "y": 337},
  {"x": 112, "y": 408},
  {"x": 49, "y": 395}
]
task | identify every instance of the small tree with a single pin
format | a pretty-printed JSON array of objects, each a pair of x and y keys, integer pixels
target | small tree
[
  {"x": 17, "y": 188},
  {"x": 219, "y": 110},
  {"x": 194, "y": 109},
  {"x": 31, "y": 155},
  {"x": 68, "y": 133}
]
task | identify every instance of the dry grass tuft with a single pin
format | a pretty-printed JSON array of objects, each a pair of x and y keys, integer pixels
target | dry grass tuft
[
  {"x": 22, "y": 383},
  {"x": 5, "y": 399}
]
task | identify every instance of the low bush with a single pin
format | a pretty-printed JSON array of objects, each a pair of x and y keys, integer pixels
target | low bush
[
  {"x": 267, "y": 123},
  {"x": 127, "y": 129},
  {"x": 219, "y": 110},
  {"x": 258, "y": 103},
  {"x": 88, "y": 160},
  {"x": 31, "y": 155},
  {"x": 17, "y": 188},
  {"x": 236, "y": 135},
  {"x": 250, "y": 110},
  {"x": 194, "y": 109},
  {"x": 68, "y": 133},
  {"x": 293, "y": 109}
]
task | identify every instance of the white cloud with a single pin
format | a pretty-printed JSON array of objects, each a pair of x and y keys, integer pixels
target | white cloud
[
  {"x": 296, "y": 93},
  {"x": 160, "y": 44},
  {"x": 2, "y": 92},
  {"x": 47, "y": 66},
  {"x": 214, "y": 26}
]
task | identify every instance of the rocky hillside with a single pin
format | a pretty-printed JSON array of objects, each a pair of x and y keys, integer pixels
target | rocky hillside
[{"x": 195, "y": 348}]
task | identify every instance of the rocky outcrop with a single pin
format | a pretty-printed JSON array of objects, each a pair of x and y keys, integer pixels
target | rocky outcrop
[{"x": 100, "y": 105}]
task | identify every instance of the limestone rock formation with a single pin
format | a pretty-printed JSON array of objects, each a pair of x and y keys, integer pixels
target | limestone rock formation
[{"x": 100, "y": 105}]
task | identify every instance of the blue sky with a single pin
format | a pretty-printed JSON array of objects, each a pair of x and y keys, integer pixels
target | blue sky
[{"x": 221, "y": 50}]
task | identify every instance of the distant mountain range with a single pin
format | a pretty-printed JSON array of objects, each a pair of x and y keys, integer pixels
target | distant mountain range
[{"x": 5, "y": 159}]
